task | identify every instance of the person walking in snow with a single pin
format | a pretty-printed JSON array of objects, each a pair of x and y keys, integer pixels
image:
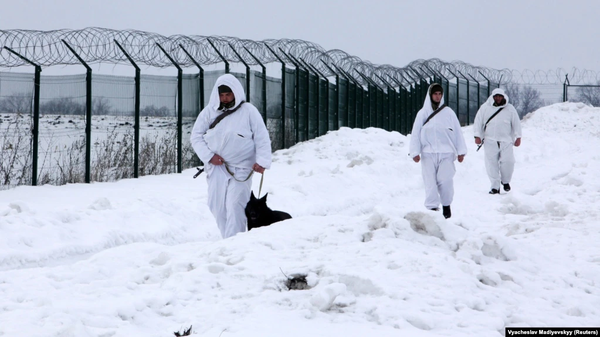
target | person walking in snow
[
  {"x": 437, "y": 141},
  {"x": 231, "y": 139},
  {"x": 497, "y": 128}
]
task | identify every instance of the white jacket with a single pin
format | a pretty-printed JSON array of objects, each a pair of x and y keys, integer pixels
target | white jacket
[
  {"x": 505, "y": 127},
  {"x": 442, "y": 134},
  {"x": 241, "y": 138}
]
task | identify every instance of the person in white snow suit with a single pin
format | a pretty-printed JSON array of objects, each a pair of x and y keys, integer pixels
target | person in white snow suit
[
  {"x": 437, "y": 141},
  {"x": 498, "y": 128},
  {"x": 231, "y": 139}
]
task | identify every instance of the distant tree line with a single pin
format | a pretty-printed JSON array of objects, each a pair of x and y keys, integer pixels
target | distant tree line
[
  {"x": 23, "y": 103},
  {"x": 525, "y": 99},
  {"x": 588, "y": 95}
]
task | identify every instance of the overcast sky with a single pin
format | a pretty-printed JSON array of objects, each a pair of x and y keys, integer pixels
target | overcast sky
[{"x": 513, "y": 34}]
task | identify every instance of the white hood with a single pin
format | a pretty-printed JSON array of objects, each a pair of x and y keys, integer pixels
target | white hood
[
  {"x": 427, "y": 104},
  {"x": 495, "y": 92},
  {"x": 236, "y": 87}
]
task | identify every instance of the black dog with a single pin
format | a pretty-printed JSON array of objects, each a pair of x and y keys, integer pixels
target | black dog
[{"x": 259, "y": 214}]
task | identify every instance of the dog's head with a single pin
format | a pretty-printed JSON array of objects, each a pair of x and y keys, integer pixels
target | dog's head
[{"x": 256, "y": 209}]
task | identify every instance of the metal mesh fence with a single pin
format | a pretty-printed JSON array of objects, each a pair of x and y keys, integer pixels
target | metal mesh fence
[
  {"x": 113, "y": 99},
  {"x": 93, "y": 127},
  {"x": 588, "y": 94},
  {"x": 62, "y": 129},
  {"x": 16, "y": 121},
  {"x": 191, "y": 109},
  {"x": 158, "y": 125}
]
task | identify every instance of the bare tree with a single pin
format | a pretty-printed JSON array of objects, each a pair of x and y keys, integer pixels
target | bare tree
[
  {"x": 525, "y": 99},
  {"x": 153, "y": 111},
  {"x": 101, "y": 106},
  {"x": 531, "y": 101},
  {"x": 19, "y": 103},
  {"x": 513, "y": 92},
  {"x": 15, "y": 151},
  {"x": 589, "y": 95},
  {"x": 62, "y": 106}
]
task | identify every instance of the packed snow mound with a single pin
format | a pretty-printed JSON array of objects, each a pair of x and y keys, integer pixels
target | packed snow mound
[{"x": 570, "y": 118}]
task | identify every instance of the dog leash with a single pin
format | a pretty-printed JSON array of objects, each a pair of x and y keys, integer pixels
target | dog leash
[
  {"x": 262, "y": 176},
  {"x": 232, "y": 175}
]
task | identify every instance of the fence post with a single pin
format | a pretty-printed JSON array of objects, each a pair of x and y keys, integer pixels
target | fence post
[
  {"x": 488, "y": 83},
  {"x": 337, "y": 96},
  {"x": 356, "y": 87},
  {"x": 349, "y": 78},
  {"x": 296, "y": 99},
  {"x": 375, "y": 87},
  {"x": 402, "y": 106},
  {"x": 457, "y": 93},
  {"x": 136, "y": 126},
  {"x": 88, "y": 114},
  {"x": 347, "y": 101},
  {"x": 318, "y": 98},
  {"x": 326, "y": 106},
  {"x": 325, "y": 113},
  {"x": 179, "y": 109},
  {"x": 433, "y": 74},
  {"x": 200, "y": 76},
  {"x": 414, "y": 98},
  {"x": 283, "y": 132},
  {"x": 346, "y": 119},
  {"x": 369, "y": 94},
  {"x": 478, "y": 92},
  {"x": 220, "y": 55},
  {"x": 247, "y": 72},
  {"x": 390, "y": 89},
  {"x": 566, "y": 88},
  {"x": 264, "y": 84},
  {"x": 359, "y": 94},
  {"x": 298, "y": 65},
  {"x": 423, "y": 84},
  {"x": 308, "y": 94},
  {"x": 468, "y": 96},
  {"x": 36, "y": 115}
]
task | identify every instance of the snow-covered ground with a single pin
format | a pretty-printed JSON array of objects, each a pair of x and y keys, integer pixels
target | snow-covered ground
[{"x": 143, "y": 257}]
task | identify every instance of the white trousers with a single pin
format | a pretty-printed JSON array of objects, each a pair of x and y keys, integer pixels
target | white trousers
[
  {"x": 438, "y": 173},
  {"x": 499, "y": 162},
  {"x": 227, "y": 198}
]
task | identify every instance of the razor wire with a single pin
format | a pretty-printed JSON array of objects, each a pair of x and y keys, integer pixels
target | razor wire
[
  {"x": 95, "y": 45},
  {"x": 300, "y": 117}
]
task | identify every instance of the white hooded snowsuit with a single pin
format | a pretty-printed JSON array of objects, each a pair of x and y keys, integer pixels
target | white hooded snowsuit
[
  {"x": 242, "y": 140},
  {"x": 438, "y": 143},
  {"x": 498, "y": 138}
]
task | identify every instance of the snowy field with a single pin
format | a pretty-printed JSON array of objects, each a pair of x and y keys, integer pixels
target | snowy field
[
  {"x": 143, "y": 257},
  {"x": 62, "y": 146},
  {"x": 59, "y": 126}
]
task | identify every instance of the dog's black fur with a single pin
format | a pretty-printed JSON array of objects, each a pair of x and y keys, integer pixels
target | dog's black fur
[{"x": 259, "y": 214}]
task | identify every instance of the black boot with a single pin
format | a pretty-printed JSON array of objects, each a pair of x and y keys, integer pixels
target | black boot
[
  {"x": 494, "y": 191},
  {"x": 506, "y": 187},
  {"x": 446, "y": 211}
]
